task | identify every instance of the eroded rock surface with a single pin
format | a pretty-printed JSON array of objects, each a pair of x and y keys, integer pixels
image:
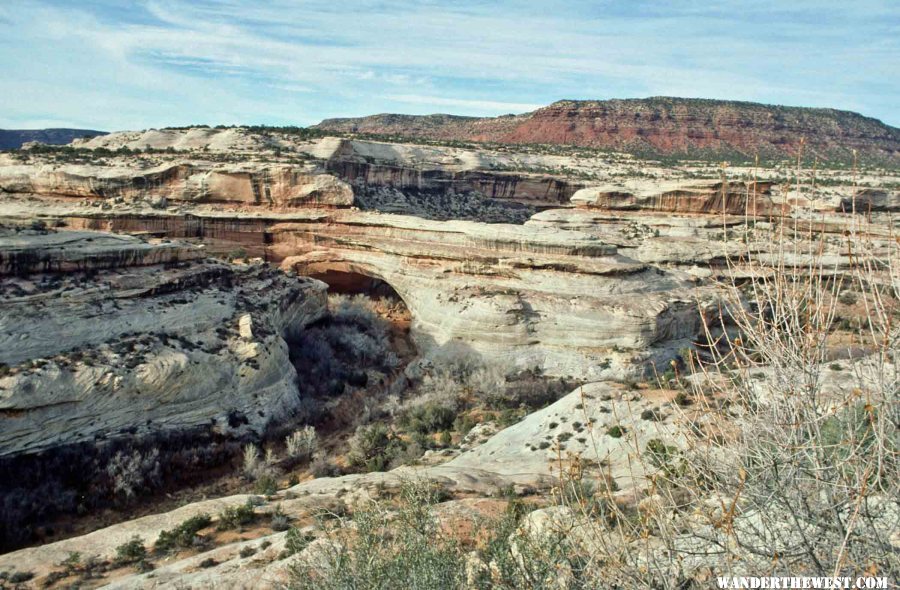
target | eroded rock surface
[
  {"x": 532, "y": 296},
  {"x": 198, "y": 181},
  {"x": 526, "y": 456},
  {"x": 707, "y": 196},
  {"x": 139, "y": 338}
]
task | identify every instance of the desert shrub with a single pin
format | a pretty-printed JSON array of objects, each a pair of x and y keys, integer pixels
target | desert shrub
[
  {"x": 324, "y": 467},
  {"x": 848, "y": 298},
  {"x": 463, "y": 424},
  {"x": 616, "y": 431},
  {"x": 271, "y": 458},
  {"x": 401, "y": 547},
  {"x": 251, "y": 461},
  {"x": 208, "y": 563},
  {"x": 663, "y": 456},
  {"x": 51, "y": 578},
  {"x": 374, "y": 447},
  {"x": 296, "y": 541},
  {"x": 247, "y": 551},
  {"x": 428, "y": 417},
  {"x": 235, "y": 517},
  {"x": 651, "y": 415},
  {"x": 408, "y": 553},
  {"x": 509, "y": 416},
  {"x": 682, "y": 398},
  {"x": 131, "y": 551},
  {"x": 266, "y": 485},
  {"x": 16, "y": 578},
  {"x": 73, "y": 561},
  {"x": 257, "y": 468},
  {"x": 279, "y": 520},
  {"x": 183, "y": 535}
]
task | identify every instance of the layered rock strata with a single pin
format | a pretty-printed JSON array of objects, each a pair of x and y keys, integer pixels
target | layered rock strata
[
  {"x": 530, "y": 296},
  {"x": 700, "y": 196},
  {"x": 658, "y": 124},
  {"x": 139, "y": 338},
  {"x": 183, "y": 181}
]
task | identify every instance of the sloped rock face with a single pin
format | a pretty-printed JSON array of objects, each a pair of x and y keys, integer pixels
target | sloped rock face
[
  {"x": 523, "y": 456},
  {"x": 660, "y": 124},
  {"x": 700, "y": 196},
  {"x": 44, "y": 252},
  {"x": 366, "y": 166},
  {"x": 139, "y": 347},
  {"x": 868, "y": 200},
  {"x": 273, "y": 185}
]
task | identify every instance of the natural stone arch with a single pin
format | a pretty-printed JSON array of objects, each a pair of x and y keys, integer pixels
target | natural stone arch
[{"x": 344, "y": 276}]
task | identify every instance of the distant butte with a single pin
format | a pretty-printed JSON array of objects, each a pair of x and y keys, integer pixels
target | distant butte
[{"x": 656, "y": 126}]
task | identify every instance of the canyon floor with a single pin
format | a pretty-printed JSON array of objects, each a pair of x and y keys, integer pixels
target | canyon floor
[{"x": 228, "y": 356}]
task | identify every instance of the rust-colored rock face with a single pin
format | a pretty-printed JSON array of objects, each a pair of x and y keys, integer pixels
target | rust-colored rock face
[{"x": 660, "y": 125}]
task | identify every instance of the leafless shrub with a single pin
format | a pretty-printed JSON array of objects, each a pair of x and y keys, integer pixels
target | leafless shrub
[
  {"x": 301, "y": 444},
  {"x": 786, "y": 468},
  {"x": 251, "y": 461},
  {"x": 130, "y": 472},
  {"x": 324, "y": 467},
  {"x": 271, "y": 458},
  {"x": 806, "y": 468}
]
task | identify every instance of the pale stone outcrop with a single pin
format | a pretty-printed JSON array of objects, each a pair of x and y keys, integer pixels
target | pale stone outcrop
[
  {"x": 580, "y": 424},
  {"x": 507, "y": 458},
  {"x": 867, "y": 200},
  {"x": 565, "y": 301},
  {"x": 137, "y": 346},
  {"x": 276, "y": 185},
  {"x": 680, "y": 196}
]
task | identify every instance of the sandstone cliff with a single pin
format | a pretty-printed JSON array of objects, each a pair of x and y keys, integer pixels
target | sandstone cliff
[
  {"x": 275, "y": 185},
  {"x": 139, "y": 338}
]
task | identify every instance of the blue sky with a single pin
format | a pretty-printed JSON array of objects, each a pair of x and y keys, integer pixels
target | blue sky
[{"x": 112, "y": 65}]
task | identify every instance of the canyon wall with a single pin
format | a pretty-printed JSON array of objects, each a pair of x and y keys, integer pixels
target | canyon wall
[
  {"x": 203, "y": 182},
  {"x": 530, "y": 296},
  {"x": 157, "y": 339}
]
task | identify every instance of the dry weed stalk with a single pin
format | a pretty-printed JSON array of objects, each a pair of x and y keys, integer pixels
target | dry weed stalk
[
  {"x": 791, "y": 467},
  {"x": 807, "y": 471}
]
